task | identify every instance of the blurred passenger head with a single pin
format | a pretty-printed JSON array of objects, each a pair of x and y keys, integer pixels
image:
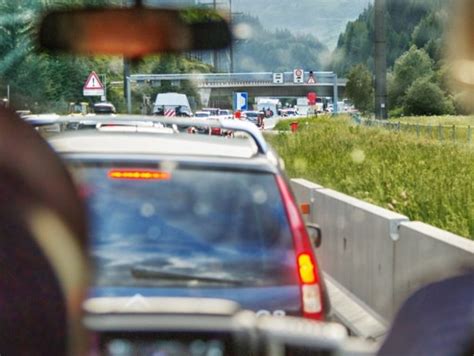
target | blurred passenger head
[
  {"x": 43, "y": 266},
  {"x": 459, "y": 52},
  {"x": 436, "y": 320}
]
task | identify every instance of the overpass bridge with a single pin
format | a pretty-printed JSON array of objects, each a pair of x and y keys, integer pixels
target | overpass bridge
[{"x": 219, "y": 87}]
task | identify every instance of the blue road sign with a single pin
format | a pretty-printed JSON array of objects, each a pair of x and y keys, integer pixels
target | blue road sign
[{"x": 241, "y": 100}]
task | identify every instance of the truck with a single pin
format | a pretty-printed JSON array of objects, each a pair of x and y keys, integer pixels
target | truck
[{"x": 172, "y": 104}]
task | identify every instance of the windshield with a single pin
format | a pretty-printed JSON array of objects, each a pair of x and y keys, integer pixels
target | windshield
[
  {"x": 367, "y": 106},
  {"x": 252, "y": 114},
  {"x": 187, "y": 225}
]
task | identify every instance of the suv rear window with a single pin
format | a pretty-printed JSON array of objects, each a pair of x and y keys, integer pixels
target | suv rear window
[{"x": 187, "y": 227}]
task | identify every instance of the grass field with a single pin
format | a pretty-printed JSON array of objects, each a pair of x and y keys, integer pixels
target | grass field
[
  {"x": 426, "y": 180},
  {"x": 458, "y": 129},
  {"x": 437, "y": 120}
]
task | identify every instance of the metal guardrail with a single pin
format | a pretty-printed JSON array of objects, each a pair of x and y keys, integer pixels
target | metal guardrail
[{"x": 462, "y": 134}]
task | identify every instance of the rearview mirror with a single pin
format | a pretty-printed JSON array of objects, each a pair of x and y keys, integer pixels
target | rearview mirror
[
  {"x": 133, "y": 32},
  {"x": 314, "y": 232}
]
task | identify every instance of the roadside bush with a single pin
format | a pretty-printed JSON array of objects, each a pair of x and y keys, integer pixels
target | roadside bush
[
  {"x": 412, "y": 65},
  {"x": 426, "y": 98},
  {"x": 396, "y": 112},
  {"x": 359, "y": 88}
]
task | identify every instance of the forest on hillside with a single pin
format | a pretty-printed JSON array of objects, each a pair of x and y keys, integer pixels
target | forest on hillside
[
  {"x": 408, "y": 22},
  {"x": 41, "y": 82},
  {"x": 417, "y": 78}
]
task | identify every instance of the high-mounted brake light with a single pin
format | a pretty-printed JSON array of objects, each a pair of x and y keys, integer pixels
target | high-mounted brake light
[
  {"x": 311, "y": 288},
  {"x": 138, "y": 174}
]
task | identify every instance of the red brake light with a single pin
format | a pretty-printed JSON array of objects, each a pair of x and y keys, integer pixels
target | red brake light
[
  {"x": 138, "y": 174},
  {"x": 311, "y": 289},
  {"x": 306, "y": 268}
]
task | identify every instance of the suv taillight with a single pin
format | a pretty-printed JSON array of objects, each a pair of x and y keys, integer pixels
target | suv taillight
[{"x": 308, "y": 272}]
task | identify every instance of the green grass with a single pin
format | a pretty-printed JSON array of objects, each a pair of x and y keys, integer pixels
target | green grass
[
  {"x": 284, "y": 124},
  {"x": 437, "y": 120},
  {"x": 424, "y": 179}
]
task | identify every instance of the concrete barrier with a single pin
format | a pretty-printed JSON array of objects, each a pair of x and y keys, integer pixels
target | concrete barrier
[
  {"x": 425, "y": 254},
  {"x": 358, "y": 246},
  {"x": 304, "y": 194},
  {"x": 375, "y": 258}
]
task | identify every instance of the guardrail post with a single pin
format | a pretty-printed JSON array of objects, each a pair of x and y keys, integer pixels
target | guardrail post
[
  {"x": 454, "y": 133},
  {"x": 440, "y": 132},
  {"x": 418, "y": 130},
  {"x": 398, "y": 126},
  {"x": 335, "y": 95},
  {"x": 129, "y": 96}
]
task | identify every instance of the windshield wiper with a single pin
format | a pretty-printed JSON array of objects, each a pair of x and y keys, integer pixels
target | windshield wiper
[{"x": 157, "y": 273}]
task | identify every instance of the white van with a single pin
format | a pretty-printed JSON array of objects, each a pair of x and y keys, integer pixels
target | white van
[
  {"x": 302, "y": 105},
  {"x": 268, "y": 103},
  {"x": 172, "y": 103}
]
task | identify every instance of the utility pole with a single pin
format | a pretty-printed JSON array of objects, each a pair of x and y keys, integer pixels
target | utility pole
[
  {"x": 126, "y": 74},
  {"x": 380, "y": 61},
  {"x": 215, "y": 54},
  {"x": 231, "y": 48}
]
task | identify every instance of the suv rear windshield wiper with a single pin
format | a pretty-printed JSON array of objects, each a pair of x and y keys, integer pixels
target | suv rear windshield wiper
[{"x": 157, "y": 273}]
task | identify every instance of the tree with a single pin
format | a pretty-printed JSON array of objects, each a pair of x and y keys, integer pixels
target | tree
[
  {"x": 359, "y": 88},
  {"x": 408, "y": 22},
  {"x": 429, "y": 32},
  {"x": 413, "y": 64},
  {"x": 425, "y": 97}
]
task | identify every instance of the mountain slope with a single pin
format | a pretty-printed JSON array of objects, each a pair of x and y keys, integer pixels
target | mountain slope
[
  {"x": 325, "y": 19},
  {"x": 276, "y": 51},
  {"x": 408, "y": 22}
]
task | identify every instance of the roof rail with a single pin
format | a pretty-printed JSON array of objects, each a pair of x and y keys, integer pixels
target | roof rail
[{"x": 226, "y": 124}]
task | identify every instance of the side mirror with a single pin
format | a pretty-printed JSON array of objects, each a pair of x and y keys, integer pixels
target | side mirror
[{"x": 314, "y": 232}]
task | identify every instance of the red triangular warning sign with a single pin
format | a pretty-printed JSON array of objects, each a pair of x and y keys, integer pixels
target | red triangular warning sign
[
  {"x": 311, "y": 80},
  {"x": 93, "y": 82}
]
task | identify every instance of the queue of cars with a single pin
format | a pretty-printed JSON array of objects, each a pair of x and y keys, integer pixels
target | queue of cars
[{"x": 184, "y": 215}]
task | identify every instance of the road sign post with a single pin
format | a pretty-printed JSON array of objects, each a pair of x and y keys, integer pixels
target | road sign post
[{"x": 129, "y": 96}]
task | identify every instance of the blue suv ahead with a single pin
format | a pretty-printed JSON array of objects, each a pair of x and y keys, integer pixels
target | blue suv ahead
[{"x": 173, "y": 214}]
